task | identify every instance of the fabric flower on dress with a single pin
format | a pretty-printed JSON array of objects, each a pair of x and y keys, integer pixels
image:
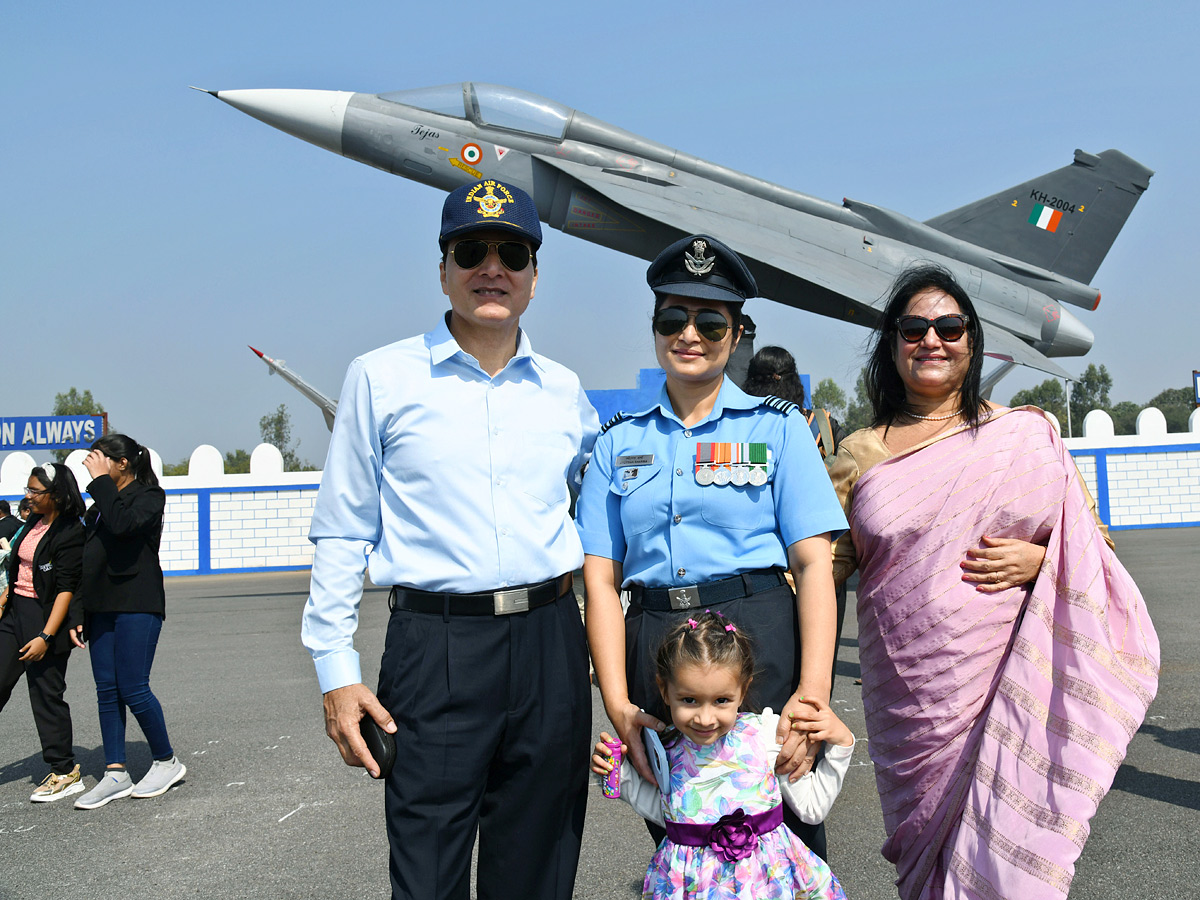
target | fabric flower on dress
[{"x": 733, "y": 837}]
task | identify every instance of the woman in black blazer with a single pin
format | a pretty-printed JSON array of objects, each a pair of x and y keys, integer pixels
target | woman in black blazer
[
  {"x": 124, "y": 604},
  {"x": 37, "y": 614}
]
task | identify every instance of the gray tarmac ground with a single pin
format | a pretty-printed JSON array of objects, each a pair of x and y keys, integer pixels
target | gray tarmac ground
[{"x": 269, "y": 810}]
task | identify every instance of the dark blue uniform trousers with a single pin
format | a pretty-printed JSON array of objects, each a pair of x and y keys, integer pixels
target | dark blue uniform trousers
[{"x": 494, "y": 731}]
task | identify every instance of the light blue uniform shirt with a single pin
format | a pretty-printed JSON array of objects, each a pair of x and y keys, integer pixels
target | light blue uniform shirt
[
  {"x": 641, "y": 504},
  {"x": 457, "y": 479}
]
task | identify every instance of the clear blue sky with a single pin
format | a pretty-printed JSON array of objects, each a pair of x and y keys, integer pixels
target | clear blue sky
[{"x": 150, "y": 232}]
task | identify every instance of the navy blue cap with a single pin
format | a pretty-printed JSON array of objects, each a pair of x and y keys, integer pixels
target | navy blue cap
[
  {"x": 489, "y": 204},
  {"x": 701, "y": 267}
]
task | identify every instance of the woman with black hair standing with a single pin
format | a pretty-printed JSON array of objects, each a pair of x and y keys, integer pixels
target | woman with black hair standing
[
  {"x": 36, "y": 614},
  {"x": 124, "y": 603}
]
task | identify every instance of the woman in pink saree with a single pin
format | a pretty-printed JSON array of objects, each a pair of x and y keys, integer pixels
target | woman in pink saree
[{"x": 1007, "y": 656}]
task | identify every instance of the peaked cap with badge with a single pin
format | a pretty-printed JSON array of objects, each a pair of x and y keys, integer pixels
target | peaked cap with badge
[
  {"x": 489, "y": 205},
  {"x": 701, "y": 267}
]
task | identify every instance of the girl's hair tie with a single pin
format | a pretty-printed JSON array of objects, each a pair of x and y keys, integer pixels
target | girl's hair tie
[
  {"x": 693, "y": 623},
  {"x": 730, "y": 627}
]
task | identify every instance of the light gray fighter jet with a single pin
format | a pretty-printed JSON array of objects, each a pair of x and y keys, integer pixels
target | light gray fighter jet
[{"x": 1021, "y": 253}]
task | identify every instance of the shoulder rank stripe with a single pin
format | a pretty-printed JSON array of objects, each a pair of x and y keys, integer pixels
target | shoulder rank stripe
[
  {"x": 616, "y": 420},
  {"x": 777, "y": 403}
]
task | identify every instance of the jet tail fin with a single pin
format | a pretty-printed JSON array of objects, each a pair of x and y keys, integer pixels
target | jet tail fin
[{"x": 1064, "y": 221}]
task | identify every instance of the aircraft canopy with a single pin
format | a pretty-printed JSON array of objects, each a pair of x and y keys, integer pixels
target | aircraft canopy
[{"x": 490, "y": 104}]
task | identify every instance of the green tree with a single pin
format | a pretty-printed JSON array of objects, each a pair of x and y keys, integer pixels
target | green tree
[
  {"x": 859, "y": 412},
  {"x": 276, "y": 429},
  {"x": 1176, "y": 405},
  {"x": 1049, "y": 395},
  {"x": 831, "y": 397},
  {"x": 73, "y": 403},
  {"x": 179, "y": 468},
  {"x": 1090, "y": 392},
  {"x": 1124, "y": 416},
  {"x": 237, "y": 462}
]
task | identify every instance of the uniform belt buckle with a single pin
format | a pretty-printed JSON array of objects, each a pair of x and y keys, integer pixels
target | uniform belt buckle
[
  {"x": 505, "y": 603},
  {"x": 684, "y": 597}
]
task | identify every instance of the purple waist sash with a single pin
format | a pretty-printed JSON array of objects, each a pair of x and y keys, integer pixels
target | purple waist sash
[{"x": 733, "y": 837}]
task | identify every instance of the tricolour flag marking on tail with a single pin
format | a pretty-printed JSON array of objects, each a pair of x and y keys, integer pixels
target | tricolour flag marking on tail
[{"x": 1045, "y": 218}]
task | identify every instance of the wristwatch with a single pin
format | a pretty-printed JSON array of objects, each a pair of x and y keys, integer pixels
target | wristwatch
[{"x": 46, "y": 637}]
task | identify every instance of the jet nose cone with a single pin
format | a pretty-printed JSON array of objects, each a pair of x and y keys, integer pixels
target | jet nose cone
[{"x": 313, "y": 116}]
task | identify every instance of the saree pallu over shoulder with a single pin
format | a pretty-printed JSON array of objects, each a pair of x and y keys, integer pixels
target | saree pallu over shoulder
[{"x": 996, "y": 721}]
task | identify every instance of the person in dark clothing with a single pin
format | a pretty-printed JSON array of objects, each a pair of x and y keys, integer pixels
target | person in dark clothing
[
  {"x": 36, "y": 614},
  {"x": 124, "y": 604},
  {"x": 9, "y": 524}
]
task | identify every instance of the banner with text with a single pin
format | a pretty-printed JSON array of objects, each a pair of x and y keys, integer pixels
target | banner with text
[{"x": 30, "y": 433}]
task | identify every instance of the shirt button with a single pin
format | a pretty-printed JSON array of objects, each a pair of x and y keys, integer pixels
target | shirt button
[
  {"x": 679, "y": 471},
  {"x": 687, "y": 434},
  {"x": 624, "y": 485},
  {"x": 681, "y": 572},
  {"x": 678, "y": 519}
]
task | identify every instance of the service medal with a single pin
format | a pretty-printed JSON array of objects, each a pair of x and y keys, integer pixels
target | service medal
[
  {"x": 722, "y": 476},
  {"x": 704, "y": 475},
  {"x": 741, "y": 475},
  {"x": 758, "y": 455}
]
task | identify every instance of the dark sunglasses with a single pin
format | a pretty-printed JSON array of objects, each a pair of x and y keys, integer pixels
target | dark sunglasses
[
  {"x": 710, "y": 324},
  {"x": 948, "y": 328},
  {"x": 470, "y": 253}
]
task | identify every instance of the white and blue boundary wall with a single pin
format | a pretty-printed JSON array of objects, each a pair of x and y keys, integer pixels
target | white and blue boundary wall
[
  {"x": 218, "y": 523},
  {"x": 1147, "y": 480}
]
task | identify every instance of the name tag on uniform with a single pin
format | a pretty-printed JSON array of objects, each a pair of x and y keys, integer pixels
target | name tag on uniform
[{"x": 643, "y": 460}]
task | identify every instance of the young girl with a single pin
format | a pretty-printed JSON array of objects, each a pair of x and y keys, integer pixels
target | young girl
[{"x": 722, "y": 812}]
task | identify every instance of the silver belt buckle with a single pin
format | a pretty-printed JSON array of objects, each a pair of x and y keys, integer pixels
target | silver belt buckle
[
  {"x": 505, "y": 603},
  {"x": 684, "y": 597}
]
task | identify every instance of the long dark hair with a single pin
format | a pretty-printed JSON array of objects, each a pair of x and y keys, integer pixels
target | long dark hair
[
  {"x": 884, "y": 387},
  {"x": 772, "y": 371},
  {"x": 64, "y": 490},
  {"x": 122, "y": 446}
]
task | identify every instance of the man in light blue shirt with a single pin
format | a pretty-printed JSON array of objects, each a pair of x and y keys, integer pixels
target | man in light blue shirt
[{"x": 448, "y": 470}]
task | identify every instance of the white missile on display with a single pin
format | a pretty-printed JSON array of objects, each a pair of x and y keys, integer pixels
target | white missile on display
[{"x": 327, "y": 406}]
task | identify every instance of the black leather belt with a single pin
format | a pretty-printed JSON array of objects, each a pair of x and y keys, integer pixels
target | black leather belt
[
  {"x": 485, "y": 603},
  {"x": 693, "y": 595}
]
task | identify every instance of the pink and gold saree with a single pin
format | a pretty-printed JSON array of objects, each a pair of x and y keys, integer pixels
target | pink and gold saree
[{"x": 996, "y": 722}]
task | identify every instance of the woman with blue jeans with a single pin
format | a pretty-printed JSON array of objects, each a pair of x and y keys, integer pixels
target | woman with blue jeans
[{"x": 124, "y": 604}]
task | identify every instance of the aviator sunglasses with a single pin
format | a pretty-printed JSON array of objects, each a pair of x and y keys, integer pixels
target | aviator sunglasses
[
  {"x": 710, "y": 324},
  {"x": 948, "y": 328},
  {"x": 470, "y": 253}
]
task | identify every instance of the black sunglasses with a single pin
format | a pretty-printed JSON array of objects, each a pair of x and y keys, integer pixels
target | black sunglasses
[
  {"x": 470, "y": 253},
  {"x": 710, "y": 324},
  {"x": 948, "y": 328}
]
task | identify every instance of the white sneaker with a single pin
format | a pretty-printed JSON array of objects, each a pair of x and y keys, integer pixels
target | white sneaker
[
  {"x": 162, "y": 774},
  {"x": 115, "y": 785}
]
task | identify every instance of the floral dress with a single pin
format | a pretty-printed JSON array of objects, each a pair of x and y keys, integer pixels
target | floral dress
[{"x": 708, "y": 783}]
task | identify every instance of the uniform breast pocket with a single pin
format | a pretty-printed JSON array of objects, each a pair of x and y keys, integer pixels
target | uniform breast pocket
[
  {"x": 643, "y": 496},
  {"x": 744, "y": 507}
]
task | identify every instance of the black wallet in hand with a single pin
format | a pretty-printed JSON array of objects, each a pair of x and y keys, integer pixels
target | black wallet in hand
[{"x": 381, "y": 745}]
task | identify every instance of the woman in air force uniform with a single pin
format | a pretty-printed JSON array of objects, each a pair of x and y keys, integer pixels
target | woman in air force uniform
[{"x": 700, "y": 502}]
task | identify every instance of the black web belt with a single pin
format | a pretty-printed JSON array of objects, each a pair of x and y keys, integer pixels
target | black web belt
[
  {"x": 484, "y": 603},
  {"x": 692, "y": 596}
]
